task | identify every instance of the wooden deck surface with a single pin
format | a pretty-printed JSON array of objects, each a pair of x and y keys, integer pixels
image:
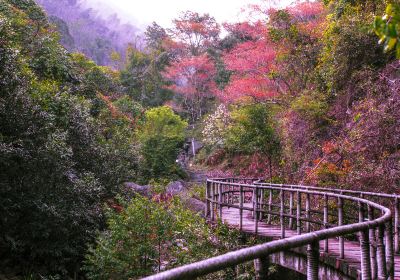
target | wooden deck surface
[{"x": 231, "y": 216}]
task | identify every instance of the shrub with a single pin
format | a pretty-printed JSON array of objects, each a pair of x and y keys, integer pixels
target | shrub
[{"x": 161, "y": 138}]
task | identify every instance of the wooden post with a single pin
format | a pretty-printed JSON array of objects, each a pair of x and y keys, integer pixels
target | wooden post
[
  {"x": 340, "y": 223},
  {"x": 381, "y": 259},
  {"x": 231, "y": 188},
  {"x": 241, "y": 207},
  {"x": 261, "y": 201},
  {"x": 389, "y": 250},
  {"x": 365, "y": 256},
  {"x": 255, "y": 194},
  {"x": 269, "y": 207},
  {"x": 225, "y": 190},
  {"x": 372, "y": 246},
  {"x": 298, "y": 213},
  {"x": 261, "y": 267},
  {"x": 313, "y": 261},
  {"x": 253, "y": 200},
  {"x": 212, "y": 202},
  {"x": 308, "y": 216},
  {"x": 282, "y": 212},
  {"x": 326, "y": 221},
  {"x": 364, "y": 247},
  {"x": 396, "y": 226},
  {"x": 291, "y": 210},
  {"x": 220, "y": 199},
  {"x": 207, "y": 206}
]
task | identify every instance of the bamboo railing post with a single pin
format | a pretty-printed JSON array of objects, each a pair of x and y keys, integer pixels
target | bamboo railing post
[
  {"x": 389, "y": 250},
  {"x": 220, "y": 200},
  {"x": 212, "y": 201},
  {"x": 364, "y": 246},
  {"x": 231, "y": 190},
  {"x": 261, "y": 201},
  {"x": 269, "y": 207},
  {"x": 241, "y": 207},
  {"x": 396, "y": 225},
  {"x": 255, "y": 194},
  {"x": 372, "y": 246},
  {"x": 298, "y": 213},
  {"x": 282, "y": 212},
  {"x": 381, "y": 258},
  {"x": 308, "y": 214},
  {"x": 313, "y": 261},
  {"x": 365, "y": 256},
  {"x": 261, "y": 266},
  {"x": 207, "y": 206},
  {"x": 291, "y": 210},
  {"x": 340, "y": 223},
  {"x": 326, "y": 241},
  {"x": 253, "y": 200},
  {"x": 226, "y": 191}
]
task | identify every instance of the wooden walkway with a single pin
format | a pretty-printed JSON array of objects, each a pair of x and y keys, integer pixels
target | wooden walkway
[{"x": 231, "y": 216}]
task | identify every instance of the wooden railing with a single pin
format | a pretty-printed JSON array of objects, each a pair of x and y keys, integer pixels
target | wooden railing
[{"x": 315, "y": 214}]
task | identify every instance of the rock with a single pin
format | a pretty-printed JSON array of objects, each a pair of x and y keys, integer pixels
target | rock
[
  {"x": 142, "y": 190},
  {"x": 195, "y": 205},
  {"x": 175, "y": 188}
]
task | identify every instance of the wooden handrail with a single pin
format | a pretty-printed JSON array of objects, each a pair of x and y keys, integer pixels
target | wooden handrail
[{"x": 374, "y": 223}]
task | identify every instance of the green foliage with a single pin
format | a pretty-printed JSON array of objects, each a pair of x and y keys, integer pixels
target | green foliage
[
  {"x": 198, "y": 191},
  {"x": 142, "y": 75},
  {"x": 128, "y": 106},
  {"x": 131, "y": 246},
  {"x": 388, "y": 28},
  {"x": 312, "y": 106},
  {"x": 62, "y": 152},
  {"x": 146, "y": 237},
  {"x": 251, "y": 131},
  {"x": 161, "y": 138},
  {"x": 349, "y": 45}
]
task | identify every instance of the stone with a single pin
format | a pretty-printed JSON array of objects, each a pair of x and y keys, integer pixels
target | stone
[
  {"x": 175, "y": 188},
  {"x": 142, "y": 190}
]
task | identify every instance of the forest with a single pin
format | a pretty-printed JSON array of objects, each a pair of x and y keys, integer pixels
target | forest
[{"x": 305, "y": 94}]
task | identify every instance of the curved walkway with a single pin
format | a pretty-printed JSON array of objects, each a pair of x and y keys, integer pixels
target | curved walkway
[
  {"x": 350, "y": 265},
  {"x": 355, "y": 233}
]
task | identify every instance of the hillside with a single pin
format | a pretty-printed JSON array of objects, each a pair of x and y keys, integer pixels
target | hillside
[{"x": 86, "y": 30}]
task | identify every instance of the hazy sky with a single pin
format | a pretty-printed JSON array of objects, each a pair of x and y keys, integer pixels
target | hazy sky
[{"x": 143, "y": 12}]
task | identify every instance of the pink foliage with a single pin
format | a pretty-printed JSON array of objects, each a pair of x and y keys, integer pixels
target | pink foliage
[
  {"x": 250, "y": 62},
  {"x": 192, "y": 75},
  {"x": 306, "y": 11}
]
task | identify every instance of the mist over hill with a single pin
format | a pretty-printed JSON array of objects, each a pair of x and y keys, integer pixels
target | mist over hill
[{"x": 87, "y": 29}]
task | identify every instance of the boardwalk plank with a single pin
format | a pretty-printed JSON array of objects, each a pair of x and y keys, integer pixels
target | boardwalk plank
[{"x": 231, "y": 216}]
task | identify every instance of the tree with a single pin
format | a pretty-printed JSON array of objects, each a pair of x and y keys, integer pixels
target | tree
[
  {"x": 193, "y": 78},
  {"x": 197, "y": 32},
  {"x": 142, "y": 76},
  {"x": 251, "y": 132},
  {"x": 148, "y": 236},
  {"x": 62, "y": 152},
  {"x": 251, "y": 63},
  {"x": 161, "y": 138}
]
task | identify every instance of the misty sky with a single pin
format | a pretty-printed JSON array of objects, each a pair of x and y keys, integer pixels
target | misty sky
[{"x": 143, "y": 12}]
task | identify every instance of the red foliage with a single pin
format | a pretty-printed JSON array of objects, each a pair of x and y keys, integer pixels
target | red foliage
[
  {"x": 306, "y": 11},
  {"x": 250, "y": 62},
  {"x": 310, "y": 17},
  {"x": 192, "y": 76},
  {"x": 195, "y": 31},
  {"x": 116, "y": 114},
  {"x": 329, "y": 147}
]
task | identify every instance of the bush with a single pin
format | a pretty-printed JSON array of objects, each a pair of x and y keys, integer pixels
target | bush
[
  {"x": 161, "y": 138},
  {"x": 59, "y": 160},
  {"x": 145, "y": 238},
  {"x": 251, "y": 131}
]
